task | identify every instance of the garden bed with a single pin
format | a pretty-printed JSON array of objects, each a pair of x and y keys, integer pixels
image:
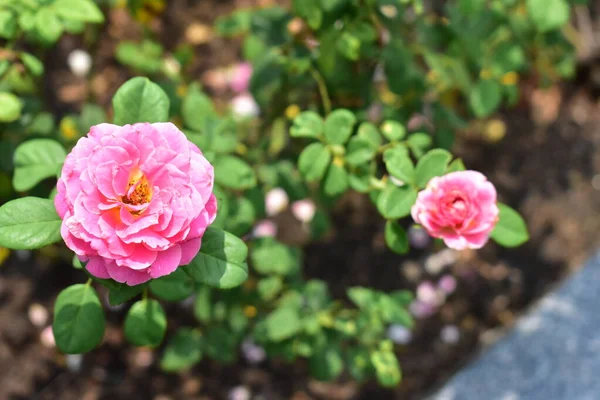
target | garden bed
[{"x": 545, "y": 166}]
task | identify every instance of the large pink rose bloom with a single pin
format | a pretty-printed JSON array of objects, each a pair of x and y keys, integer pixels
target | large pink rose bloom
[
  {"x": 135, "y": 201},
  {"x": 459, "y": 207}
]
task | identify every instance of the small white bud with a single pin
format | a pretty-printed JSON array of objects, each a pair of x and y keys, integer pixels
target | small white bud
[
  {"x": 276, "y": 200},
  {"x": 264, "y": 228},
  {"x": 244, "y": 105},
  {"x": 304, "y": 210},
  {"x": 47, "y": 337},
  {"x": 80, "y": 62},
  {"x": 38, "y": 315},
  {"x": 240, "y": 393}
]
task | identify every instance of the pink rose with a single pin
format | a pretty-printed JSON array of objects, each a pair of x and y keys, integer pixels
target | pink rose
[
  {"x": 240, "y": 77},
  {"x": 459, "y": 207},
  {"x": 135, "y": 201}
]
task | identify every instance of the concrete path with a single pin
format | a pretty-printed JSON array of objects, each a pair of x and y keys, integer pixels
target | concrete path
[{"x": 552, "y": 354}]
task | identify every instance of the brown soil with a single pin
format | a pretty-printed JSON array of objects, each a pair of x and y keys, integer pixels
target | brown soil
[{"x": 547, "y": 166}]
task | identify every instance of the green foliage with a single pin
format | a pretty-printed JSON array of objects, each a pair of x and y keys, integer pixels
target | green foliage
[
  {"x": 354, "y": 134},
  {"x": 140, "y": 100},
  {"x": 183, "y": 351},
  {"x": 36, "y": 160},
  {"x": 29, "y": 223},
  {"x": 176, "y": 286},
  {"x": 145, "y": 57},
  {"x": 10, "y": 107},
  {"x": 78, "y": 319},
  {"x": 234, "y": 173},
  {"x": 510, "y": 231},
  {"x": 221, "y": 260},
  {"x": 395, "y": 237},
  {"x": 145, "y": 323}
]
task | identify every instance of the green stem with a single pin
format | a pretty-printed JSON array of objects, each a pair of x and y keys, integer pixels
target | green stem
[
  {"x": 89, "y": 282},
  {"x": 322, "y": 90}
]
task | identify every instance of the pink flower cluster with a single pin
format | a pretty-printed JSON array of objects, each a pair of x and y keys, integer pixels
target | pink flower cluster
[
  {"x": 459, "y": 207},
  {"x": 135, "y": 201}
]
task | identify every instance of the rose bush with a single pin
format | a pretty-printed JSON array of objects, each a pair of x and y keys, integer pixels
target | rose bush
[{"x": 135, "y": 201}]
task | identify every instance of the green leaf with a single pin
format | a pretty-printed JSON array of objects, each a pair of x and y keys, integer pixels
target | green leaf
[
  {"x": 236, "y": 23},
  {"x": 395, "y": 237},
  {"x": 145, "y": 323},
  {"x": 270, "y": 257},
  {"x": 282, "y": 324},
  {"x": 395, "y": 202},
  {"x": 8, "y": 24},
  {"x": 48, "y": 25},
  {"x": 393, "y": 130},
  {"x": 399, "y": 164},
  {"x": 349, "y": 46},
  {"x": 29, "y": 223},
  {"x": 432, "y": 164},
  {"x": 339, "y": 125},
  {"x": 78, "y": 319},
  {"x": 10, "y": 107},
  {"x": 176, "y": 286},
  {"x": 360, "y": 179},
  {"x": 368, "y": 131},
  {"x": 27, "y": 20},
  {"x": 327, "y": 363},
  {"x": 139, "y": 100},
  {"x": 336, "y": 180},
  {"x": 234, "y": 173},
  {"x": 33, "y": 64},
  {"x": 278, "y": 138},
  {"x": 310, "y": 11},
  {"x": 393, "y": 311},
  {"x": 220, "y": 344},
  {"x": 313, "y": 161},
  {"x": 548, "y": 15},
  {"x": 221, "y": 261},
  {"x": 91, "y": 114},
  {"x": 197, "y": 108},
  {"x": 42, "y": 124},
  {"x": 36, "y": 160},
  {"x": 419, "y": 143},
  {"x": 203, "y": 305},
  {"x": 122, "y": 293},
  {"x": 511, "y": 230},
  {"x": 77, "y": 264},
  {"x": 183, "y": 351},
  {"x": 359, "y": 151},
  {"x": 456, "y": 165},
  {"x": 307, "y": 124},
  {"x": 269, "y": 288},
  {"x": 145, "y": 57},
  {"x": 359, "y": 363},
  {"x": 364, "y": 298},
  {"x": 485, "y": 97},
  {"x": 387, "y": 368},
  {"x": 241, "y": 217},
  {"x": 79, "y": 10}
]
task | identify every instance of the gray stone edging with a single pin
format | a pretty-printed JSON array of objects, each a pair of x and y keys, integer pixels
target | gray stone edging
[{"x": 553, "y": 352}]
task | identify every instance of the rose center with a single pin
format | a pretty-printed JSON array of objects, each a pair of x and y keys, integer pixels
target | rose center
[{"x": 138, "y": 190}]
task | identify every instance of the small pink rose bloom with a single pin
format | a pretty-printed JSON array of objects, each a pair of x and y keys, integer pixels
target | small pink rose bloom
[
  {"x": 240, "y": 77},
  {"x": 459, "y": 208},
  {"x": 135, "y": 201}
]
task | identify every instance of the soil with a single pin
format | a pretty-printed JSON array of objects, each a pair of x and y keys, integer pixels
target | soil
[{"x": 547, "y": 166}]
